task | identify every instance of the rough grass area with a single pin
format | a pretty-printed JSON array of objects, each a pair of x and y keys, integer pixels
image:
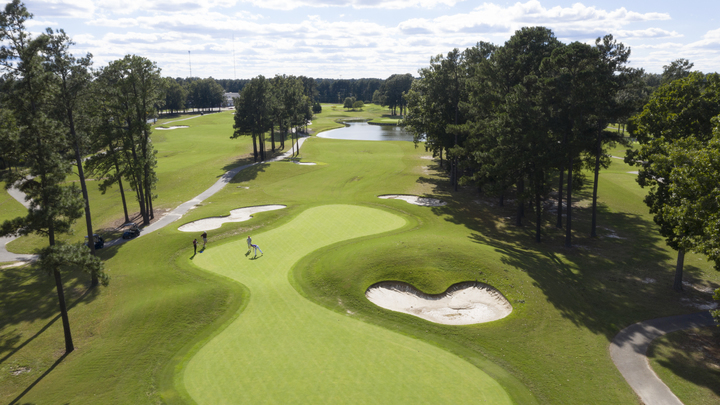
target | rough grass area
[
  {"x": 689, "y": 363},
  {"x": 9, "y": 207}
]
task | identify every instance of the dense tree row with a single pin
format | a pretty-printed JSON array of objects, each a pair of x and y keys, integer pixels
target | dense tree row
[
  {"x": 264, "y": 105},
  {"x": 337, "y": 90},
  {"x": 55, "y": 112},
  {"x": 517, "y": 116},
  {"x": 192, "y": 93}
]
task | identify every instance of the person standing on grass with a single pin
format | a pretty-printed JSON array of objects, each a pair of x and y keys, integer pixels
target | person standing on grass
[
  {"x": 204, "y": 236},
  {"x": 249, "y": 240},
  {"x": 256, "y": 247},
  {"x": 194, "y": 247}
]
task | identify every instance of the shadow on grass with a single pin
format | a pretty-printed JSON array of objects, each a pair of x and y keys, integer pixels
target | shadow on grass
[
  {"x": 26, "y": 297},
  {"x": 691, "y": 355},
  {"x": 22, "y": 394},
  {"x": 603, "y": 283}
]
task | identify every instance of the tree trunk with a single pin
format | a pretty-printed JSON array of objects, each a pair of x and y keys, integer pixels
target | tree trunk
[
  {"x": 122, "y": 195},
  {"x": 593, "y": 226},
  {"x": 560, "y": 199},
  {"x": 255, "y": 151},
  {"x": 502, "y": 200},
  {"x": 521, "y": 204},
  {"x": 272, "y": 137},
  {"x": 88, "y": 219},
  {"x": 568, "y": 230},
  {"x": 677, "y": 285},
  {"x": 441, "y": 158},
  {"x": 538, "y": 216},
  {"x": 63, "y": 312}
]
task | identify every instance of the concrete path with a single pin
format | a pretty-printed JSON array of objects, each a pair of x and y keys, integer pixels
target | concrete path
[
  {"x": 183, "y": 208},
  {"x": 629, "y": 347},
  {"x": 6, "y": 256},
  {"x": 167, "y": 219}
]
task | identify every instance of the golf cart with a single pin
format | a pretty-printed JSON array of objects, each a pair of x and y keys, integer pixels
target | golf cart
[
  {"x": 131, "y": 232},
  {"x": 98, "y": 240}
]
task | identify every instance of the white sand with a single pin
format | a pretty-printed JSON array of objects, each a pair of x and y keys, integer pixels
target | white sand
[
  {"x": 413, "y": 199},
  {"x": 462, "y": 304},
  {"x": 168, "y": 128},
  {"x": 305, "y": 163},
  {"x": 238, "y": 215}
]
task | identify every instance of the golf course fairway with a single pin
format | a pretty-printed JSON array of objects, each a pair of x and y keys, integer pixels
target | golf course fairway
[{"x": 285, "y": 349}]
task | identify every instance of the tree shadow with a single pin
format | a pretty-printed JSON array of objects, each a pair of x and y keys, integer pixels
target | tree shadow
[
  {"x": 249, "y": 173},
  {"x": 690, "y": 352},
  {"x": 26, "y": 296},
  {"x": 595, "y": 284},
  {"x": 48, "y": 371}
]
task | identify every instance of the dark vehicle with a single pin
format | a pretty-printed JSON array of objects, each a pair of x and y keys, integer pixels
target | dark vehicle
[
  {"x": 99, "y": 241},
  {"x": 131, "y": 232}
]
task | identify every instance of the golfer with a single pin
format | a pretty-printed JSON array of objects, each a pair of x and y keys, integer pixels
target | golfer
[
  {"x": 194, "y": 247},
  {"x": 256, "y": 247},
  {"x": 249, "y": 243},
  {"x": 204, "y": 236}
]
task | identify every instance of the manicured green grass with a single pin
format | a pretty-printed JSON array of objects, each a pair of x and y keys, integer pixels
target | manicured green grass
[
  {"x": 284, "y": 349},
  {"x": 9, "y": 207},
  {"x": 689, "y": 363},
  {"x": 161, "y": 310},
  {"x": 189, "y": 161}
]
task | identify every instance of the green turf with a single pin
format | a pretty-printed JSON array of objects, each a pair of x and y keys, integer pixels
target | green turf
[
  {"x": 9, "y": 207},
  {"x": 687, "y": 361},
  {"x": 284, "y": 349},
  {"x": 135, "y": 336}
]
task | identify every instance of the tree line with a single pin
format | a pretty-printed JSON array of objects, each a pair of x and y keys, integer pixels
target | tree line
[
  {"x": 529, "y": 117},
  {"x": 282, "y": 103},
  {"x": 59, "y": 117}
]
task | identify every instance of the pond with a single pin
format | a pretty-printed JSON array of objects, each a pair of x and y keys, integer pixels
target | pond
[{"x": 362, "y": 131}]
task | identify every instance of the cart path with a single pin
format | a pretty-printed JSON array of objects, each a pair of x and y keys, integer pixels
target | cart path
[
  {"x": 630, "y": 345},
  {"x": 183, "y": 208},
  {"x": 6, "y": 256},
  {"x": 166, "y": 219}
]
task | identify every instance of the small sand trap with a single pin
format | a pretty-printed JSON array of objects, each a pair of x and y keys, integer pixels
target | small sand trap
[
  {"x": 462, "y": 304},
  {"x": 168, "y": 128},
  {"x": 238, "y": 215},
  {"x": 413, "y": 199},
  {"x": 305, "y": 163}
]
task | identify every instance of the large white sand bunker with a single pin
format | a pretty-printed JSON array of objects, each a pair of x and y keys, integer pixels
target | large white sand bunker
[
  {"x": 462, "y": 304},
  {"x": 413, "y": 199},
  {"x": 238, "y": 215}
]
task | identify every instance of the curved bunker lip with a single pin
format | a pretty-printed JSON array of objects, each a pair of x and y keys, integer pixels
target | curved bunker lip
[
  {"x": 414, "y": 199},
  {"x": 173, "y": 127},
  {"x": 236, "y": 215},
  {"x": 464, "y": 303}
]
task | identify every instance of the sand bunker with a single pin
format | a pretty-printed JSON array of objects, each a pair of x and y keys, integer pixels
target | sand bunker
[
  {"x": 413, "y": 199},
  {"x": 305, "y": 163},
  {"x": 238, "y": 215},
  {"x": 175, "y": 127},
  {"x": 462, "y": 304}
]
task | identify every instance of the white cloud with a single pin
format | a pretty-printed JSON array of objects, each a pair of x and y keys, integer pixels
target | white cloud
[
  {"x": 648, "y": 33},
  {"x": 357, "y": 4}
]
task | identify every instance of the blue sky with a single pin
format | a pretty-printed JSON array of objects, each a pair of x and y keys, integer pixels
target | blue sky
[{"x": 363, "y": 38}]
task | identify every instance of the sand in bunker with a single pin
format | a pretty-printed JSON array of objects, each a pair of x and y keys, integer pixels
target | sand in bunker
[
  {"x": 413, "y": 199},
  {"x": 462, "y": 304},
  {"x": 238, "y": 215},
  {"x": 173, "y": 127}
]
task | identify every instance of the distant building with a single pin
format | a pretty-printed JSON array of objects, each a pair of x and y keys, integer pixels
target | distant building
[{"x": 229, "y": 99}]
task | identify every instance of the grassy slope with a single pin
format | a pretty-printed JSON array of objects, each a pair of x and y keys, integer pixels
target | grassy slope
[
  {"x": 133, "y": 335},
  {"x": 284, "y": 349},
  {"x": 679, "y": 359},
  {"x": 189, "y": 161},
  {"x": 9, "y": 207}
]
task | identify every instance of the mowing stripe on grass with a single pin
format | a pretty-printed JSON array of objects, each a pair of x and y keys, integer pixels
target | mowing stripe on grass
[{"x": 286, "y": 349}]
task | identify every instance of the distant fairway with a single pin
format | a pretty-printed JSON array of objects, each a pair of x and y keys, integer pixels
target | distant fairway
[{"x": 285, "y": 349}]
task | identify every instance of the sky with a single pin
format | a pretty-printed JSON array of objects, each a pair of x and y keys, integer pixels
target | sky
[{"x": 343, "y": 39}]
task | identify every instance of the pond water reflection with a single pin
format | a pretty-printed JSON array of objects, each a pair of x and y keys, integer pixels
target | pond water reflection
[{"x": 362, "y": 131}]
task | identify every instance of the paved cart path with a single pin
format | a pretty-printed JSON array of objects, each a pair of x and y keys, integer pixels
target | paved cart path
[
  {"x": 167, "y": 219},
  {"x": 628, "y": 351}
]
